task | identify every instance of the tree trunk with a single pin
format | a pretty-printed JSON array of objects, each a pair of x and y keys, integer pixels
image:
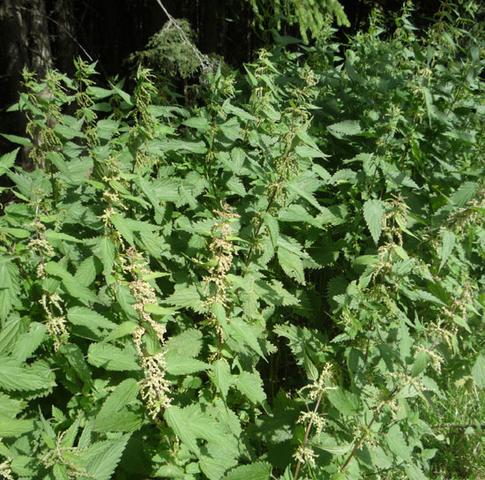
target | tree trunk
[
  {"x": 65, "y": 44},
  {"x": 39, "y": 39}
]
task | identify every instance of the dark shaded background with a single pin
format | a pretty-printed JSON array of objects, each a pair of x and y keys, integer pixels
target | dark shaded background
[{"x": 48, "y": 33}]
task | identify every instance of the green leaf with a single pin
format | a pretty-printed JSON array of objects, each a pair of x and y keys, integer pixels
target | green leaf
[
  {"x": 7, "y": 160},
  {"x": 9, "y": 334},
  {"x": 15, "y": 376},
  {"x": 98, "y": 92},
  {"x": 186, "y": 424},
  {"x": 397, "y": 443},
  {"x": 158, "y": 310},
  {"x": 254, "y": 471},
  {"x": 114, "y": 415},
  {"x": 448, "y": 239},
  {"x": 188, "y": 343},
  {"x": 251, "y": 385},
  {"x": 344, "y": 129},
  {"x": 25, "y": 142},
  {"x": 101, "y": 458},
  {"x": 86, "y": 273},
  {"x": 191, "y": 424},
  {"x": 464, "y": 194},
  {"x": 11, "y": 427},
  {"x": 328, "y": 443},
  {"x": 88, "y": 318},
  {"x": 374, "y": 215},
  {"x": 109, "y": 357},
  {"x": 199, "y": 123},
  {"x": 29, "y": 341},
  {"x": 105, "y": 251},
  {"x": 185, "y": 296},
  {"x": 420, "y": 363},
  {"x": 478, "y": 371},
  {"x": 245, "y": 333},
  {"x": 181, "y": 365},
  {"x": 221, "y": 376},
  {"x": 345, "y": 402},
  {"x": 59, "y": 236},
  {"x": 10, "y": 407},
  {"x": 291, "y": 264},
  {"x": 73, "y": 287},
  {"x": 76, "y": 360}
]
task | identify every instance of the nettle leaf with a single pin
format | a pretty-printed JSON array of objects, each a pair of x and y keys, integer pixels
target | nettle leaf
[
  {"x": 75, "y": 358},
  {"x": 180, "y": 352},
  {"x": 7, "y": 160},
  {"x": 91, "y": 319},
  {"x": 345, "y": 402},
  {"x": 448, "y": 239},
  {"x": 251, "y": 385},
  {"x": 464, "y": 194},
  {"x": 188, "y": 343},
  {"x": 191, "y": 424},
  {"x": 102, "y": 458},
  {"x": 345, "y": 128},
  {"x": 105, "y": 251},
  {"x": 221, "y": 377},
  {"x": 254, "y": 471},
  {"x": 114, "y": 415},
  {"x": 9, "y": 286},
  {"x": 29, "y": 341},
  {"x": 397, "y": 443},
  {"x": 326, "y": 442},
  {"x": 9, "y": 334},
  {"x": 180, "y": 365},
  {"x": 420, "y": 363},
  {"x": 478, "y": 371},
  {"x": 374, "y": 215},
  {"x": 10, "y": 407},
  {"x": 72, "y": 286},
  {"x": 244, "y": 333},
  {"x": 186, "y": 296},
  {"x": 87, "y": 271},
  {"x": 16, "y": 376},
  {"x": 11, "y": 427},
  {"x": 292, "y": 264},
  {"x": 109, "y": 357}
]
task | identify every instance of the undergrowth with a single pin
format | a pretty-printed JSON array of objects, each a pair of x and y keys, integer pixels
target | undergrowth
[{"x": 282, "y": 279}]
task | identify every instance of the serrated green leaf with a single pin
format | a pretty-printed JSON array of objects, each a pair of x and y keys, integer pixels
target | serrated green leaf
[
  {"x": 89, "y": 318},
  {"x": 221, "y": 376},
  {"x": 11, "y": 427},
  {"x": 448, "y": 239},
  {"x": 251, "y": 385},
  {"x": 113, "y": 415},
  {"x": 15, "y": 376},
  {"x": 254, "y": 471},
  {"x": 109, "y": 357},
  {"x": 478, "y": 371},
  {"x": 374, "y": 215},
  {"x": 102, "y": 458},
  {"x": 397, "y": 443},
  {"x": 345, "y": 128},
  {"x": 182, "y": 365}
]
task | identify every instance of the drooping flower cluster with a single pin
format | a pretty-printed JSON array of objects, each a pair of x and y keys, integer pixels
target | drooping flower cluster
[
  {"x": 155, "y": 387},
  {"x": 56, "y": 321},
  {"x": 222, "y": 250},
  {"x": 6, "y": 470}
]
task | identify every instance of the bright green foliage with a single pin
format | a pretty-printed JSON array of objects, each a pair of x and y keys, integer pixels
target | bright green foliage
[
  {"x": 311, "y": 16},
  {"x": 283, "y": 281}
]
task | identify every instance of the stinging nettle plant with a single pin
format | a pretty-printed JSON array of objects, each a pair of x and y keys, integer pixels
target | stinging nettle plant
[{"x": 283, "y": 281}]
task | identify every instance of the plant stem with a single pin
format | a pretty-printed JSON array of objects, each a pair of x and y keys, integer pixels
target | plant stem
[{"x": 307, "y": 434}]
